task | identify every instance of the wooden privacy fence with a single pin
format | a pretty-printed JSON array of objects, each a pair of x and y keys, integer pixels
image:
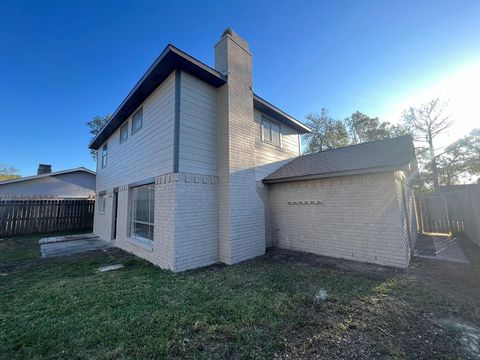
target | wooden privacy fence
[{"x": 19, "y": 217}]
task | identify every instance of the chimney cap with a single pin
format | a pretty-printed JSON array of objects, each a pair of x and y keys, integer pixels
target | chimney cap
[
  {"x": 236, "y": 38},
  {"x": 44, "y": 169},
  {"x": 228, "y": 31}
]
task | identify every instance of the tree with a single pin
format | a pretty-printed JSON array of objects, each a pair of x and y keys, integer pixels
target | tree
[
  {"x": 95, "y": 125},
  {"x": 363, "y": 128},
  {"x": 460, "y": 159},
  {"x": 327, "y": 133},
  {"x": 426, "y": 123},
  {"x": 8, "y": 172}
]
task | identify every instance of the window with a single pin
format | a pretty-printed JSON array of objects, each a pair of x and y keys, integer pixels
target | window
[
  {"x": 124, "y": 132},
  {"x": 104, "y": 155},
  {"x": 271, "y": 132},
  {"x": 101, "y": 202},
  {"x": 142, "y": 208},
  {"x": 137, "y": 121}
]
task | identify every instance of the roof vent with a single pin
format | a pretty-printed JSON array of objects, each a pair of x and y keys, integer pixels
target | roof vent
[{"x": 44, "y": 169}]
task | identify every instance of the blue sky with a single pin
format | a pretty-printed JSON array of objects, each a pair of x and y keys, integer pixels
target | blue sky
[{"x": 63, "y": 62}]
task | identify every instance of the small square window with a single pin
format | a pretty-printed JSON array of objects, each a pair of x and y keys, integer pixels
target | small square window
[
  {"x": 124, "y": 132},
  {"x": 137, "y": 121},
  {"x": 104, "y": 155}
]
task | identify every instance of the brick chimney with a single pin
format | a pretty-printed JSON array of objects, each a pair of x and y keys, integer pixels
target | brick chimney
[
  {"x": 44, "y": 169},
  {"x": 241, "y": 212}
]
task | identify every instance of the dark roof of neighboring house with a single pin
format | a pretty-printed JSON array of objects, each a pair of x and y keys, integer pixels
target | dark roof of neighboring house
[
  {"x": 10, "y": 181},
  {"x": 376, "y": 156},
  {"x": 170, "y": 59}
]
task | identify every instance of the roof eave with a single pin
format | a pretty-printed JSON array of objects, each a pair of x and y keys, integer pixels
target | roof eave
[
  {"x": 169, "y": 60},
  {"x": 271, "y": 110},
  {"x": 56, "y": 173}
]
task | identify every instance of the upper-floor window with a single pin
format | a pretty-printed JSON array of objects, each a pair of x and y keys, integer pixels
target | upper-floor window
[
  {"x": 124, "y": 132},
  {"x": 271, "y": 132},
  {"x": 137, "y": 121},
  {"x": 104, "y": 155}
]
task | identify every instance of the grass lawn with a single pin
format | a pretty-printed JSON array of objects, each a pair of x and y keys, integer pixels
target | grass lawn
[{"x": 264, "y": 308}]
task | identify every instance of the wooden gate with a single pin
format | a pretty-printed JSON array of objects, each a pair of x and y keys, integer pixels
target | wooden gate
[{"x": 440, "y": 213}]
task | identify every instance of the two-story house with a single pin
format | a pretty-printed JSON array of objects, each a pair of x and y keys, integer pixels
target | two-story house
[{"x": 187, "y": 174}]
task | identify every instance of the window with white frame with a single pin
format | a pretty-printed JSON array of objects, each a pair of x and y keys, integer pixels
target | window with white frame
[
  {"x": 142, "y": 211},
  {"x": 101, "y": 202},
  {"x": 137, "y": 121},
  {"x": 271, "y": 132},
  {"x": 104, "y": 155},
  {"x": 124, "y": 132}
]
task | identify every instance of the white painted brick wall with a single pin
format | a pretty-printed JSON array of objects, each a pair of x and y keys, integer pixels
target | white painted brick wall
[
  {"x": 196, "y": 221},
  {"x": 186, "y": 222},
  {"x": 359, "y": 218},
  {"x": 102, "y": 221}
]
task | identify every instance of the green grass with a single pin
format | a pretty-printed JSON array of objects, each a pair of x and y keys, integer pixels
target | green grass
[
  {"x": 24, "y": 247},
  {"x": 66, "y": 308}
]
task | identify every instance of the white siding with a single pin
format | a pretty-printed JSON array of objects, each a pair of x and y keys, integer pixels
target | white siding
[
  {"x": 148, "y": 152},
  {"x": 268, "y": 157},
  {"x": 198, "y": 126}
]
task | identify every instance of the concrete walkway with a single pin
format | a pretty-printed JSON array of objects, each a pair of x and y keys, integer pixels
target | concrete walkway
[
  {"x": 440, "y": 248},
  {"x": 73, "y": 244}
]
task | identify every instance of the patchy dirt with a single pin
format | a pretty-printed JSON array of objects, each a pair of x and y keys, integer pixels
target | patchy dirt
[{"x": 399, "y": 318}]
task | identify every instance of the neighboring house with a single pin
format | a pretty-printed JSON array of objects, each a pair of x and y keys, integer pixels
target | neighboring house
[
  {"x": 76, "y": 183},
  {"x": 189, "y": 173}
]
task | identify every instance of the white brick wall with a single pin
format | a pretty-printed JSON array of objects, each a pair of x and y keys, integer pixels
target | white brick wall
[
  {"x": 359, "y": 218},
  {"x": 196, "y": 221},
  {"x": 186, "y": 222},
  {"x": 102, "y": 221}
]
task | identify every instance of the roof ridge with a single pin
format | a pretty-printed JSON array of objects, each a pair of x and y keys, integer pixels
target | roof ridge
[
  {"x": 54, "y": 173},
  {"x": 364, "y": 143}
]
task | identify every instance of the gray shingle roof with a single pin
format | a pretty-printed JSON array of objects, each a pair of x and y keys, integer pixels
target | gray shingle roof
[{"x": 376, "y": 156}]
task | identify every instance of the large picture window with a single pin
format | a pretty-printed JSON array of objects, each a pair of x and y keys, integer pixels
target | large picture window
[{"x": 142, "y": 209}]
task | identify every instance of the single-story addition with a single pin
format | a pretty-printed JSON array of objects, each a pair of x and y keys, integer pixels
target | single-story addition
[
  {"x": 78, "y": 183},
  {"x": 194, "y": 168}
]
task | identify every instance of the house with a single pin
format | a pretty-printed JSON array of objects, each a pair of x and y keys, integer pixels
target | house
[
  {"x": 78, "y": 183},
  {"x": 194, "y": 168}
]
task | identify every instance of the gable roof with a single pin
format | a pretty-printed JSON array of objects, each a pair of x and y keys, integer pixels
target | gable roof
[
  {"x": 169, "y": 60},
  {"x": 376, "y": 156},
  {"x": 26, "y": 178}
]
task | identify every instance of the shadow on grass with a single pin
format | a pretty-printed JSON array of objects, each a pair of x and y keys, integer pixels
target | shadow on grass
[{"x": 260, "y": 308}]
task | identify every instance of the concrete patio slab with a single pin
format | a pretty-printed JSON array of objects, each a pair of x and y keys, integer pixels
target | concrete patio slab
[
  {"x": 54, "y": 239},
  {"x": 68, "y": 245},
  {"x": 440, "y": 248}
]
